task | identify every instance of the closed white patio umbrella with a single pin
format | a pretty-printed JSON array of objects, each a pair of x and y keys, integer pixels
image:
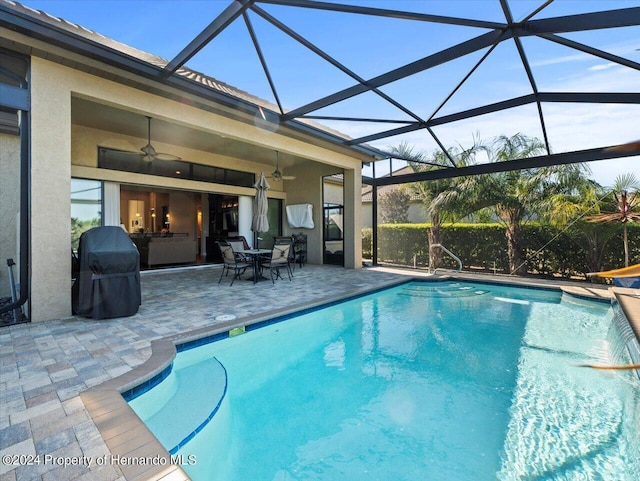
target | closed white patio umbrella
[{"x": 260, "y": 220}]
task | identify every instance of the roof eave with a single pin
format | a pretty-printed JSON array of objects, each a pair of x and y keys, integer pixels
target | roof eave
[{"x": 32, "y": 27}]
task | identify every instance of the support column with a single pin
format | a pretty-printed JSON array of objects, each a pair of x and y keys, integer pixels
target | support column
[
  {"x": 374, "y": 224},
  {"x": 245, "y": 213},
  {"x": 50, "y": 194},
  {"x": 204, "y": 202},
  {"x": 353, "y": 218}
]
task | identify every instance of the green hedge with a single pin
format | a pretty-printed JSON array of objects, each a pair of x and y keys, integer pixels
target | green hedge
[
  {"x": 367, "y": 241},
  {"x": 484, "y": 246}
]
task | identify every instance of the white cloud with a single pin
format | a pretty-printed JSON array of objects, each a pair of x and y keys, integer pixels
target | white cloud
[
  {"x": 578, "y": 57},
  {"x": 603, "y": 66}
]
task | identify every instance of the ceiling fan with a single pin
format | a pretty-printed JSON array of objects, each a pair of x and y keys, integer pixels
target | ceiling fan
[
  {"x": 277, "y": 174},
  {"x": 148, "y": 153}
]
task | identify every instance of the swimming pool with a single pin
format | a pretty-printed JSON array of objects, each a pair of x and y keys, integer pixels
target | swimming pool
[{"x": 438, "y": 381}]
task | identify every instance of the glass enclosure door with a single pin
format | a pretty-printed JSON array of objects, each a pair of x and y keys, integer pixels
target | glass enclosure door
[{"x": 333, "y": 235}]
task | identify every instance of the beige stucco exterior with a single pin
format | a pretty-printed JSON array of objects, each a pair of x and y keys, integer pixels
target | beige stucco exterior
[
  {"x": 309, "y": 191},
  {"x": 61, "y": 149},
  {"x": 352, "y": 219}
]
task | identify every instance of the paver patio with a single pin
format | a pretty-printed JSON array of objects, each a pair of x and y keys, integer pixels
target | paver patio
[{"x": 44, "y": 366}]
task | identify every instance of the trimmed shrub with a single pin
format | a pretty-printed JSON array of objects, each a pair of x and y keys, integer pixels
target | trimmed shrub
[
  {"x": 367, "y": 243},
  {"x": 549, "y": 251}
]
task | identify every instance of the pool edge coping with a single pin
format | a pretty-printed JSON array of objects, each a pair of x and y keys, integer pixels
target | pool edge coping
[
  {"x": 127, "y": 436},
  {"x": 629, "y": 301}
]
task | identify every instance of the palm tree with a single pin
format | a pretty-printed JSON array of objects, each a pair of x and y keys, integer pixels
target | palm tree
[
  {"x": 625, "y": 196},
  {"x": 516, "y": 196},
  {"x": 427, "y": 191},
  {"x": 568, "y": 211}
]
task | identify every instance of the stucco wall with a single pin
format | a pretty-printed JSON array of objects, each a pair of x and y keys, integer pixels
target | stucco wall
[
  {"x": 61, "y": 150},
  {"x": 50, "y": 191},
  {"x": 353, "y": 218},
  {"x": 9, "y": 207},
  {"x": 308, "y": 188}
]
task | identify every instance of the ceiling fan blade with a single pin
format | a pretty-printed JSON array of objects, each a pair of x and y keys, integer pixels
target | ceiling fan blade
[
  {"x": 277, "y": 174},
  {"x": 279, "y": 178},
  {"x": 148, "y": 152},
  {"x": 163, "y": 156}
]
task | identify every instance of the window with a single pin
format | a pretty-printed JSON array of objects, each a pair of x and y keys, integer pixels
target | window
[
  {"x": 14, "y": 73},
  {"x": 333, "y": 222},
  {"x": 179, "y": 169},
  {"x": 86, "y": 207}
]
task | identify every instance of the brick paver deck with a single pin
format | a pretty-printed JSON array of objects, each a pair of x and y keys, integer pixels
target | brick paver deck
[{"x": 45, "y": 366}]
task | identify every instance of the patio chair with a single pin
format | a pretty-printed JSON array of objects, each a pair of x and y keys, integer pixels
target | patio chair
[
  {"x": 238, "y": 245},
  {"x": 299, "y": 249},
  {"x": 239, "y": 238},
  {"x": 281, "y": 241},
  {"x": 231, "y": 261},
  {"x": 279, "y": 260}
]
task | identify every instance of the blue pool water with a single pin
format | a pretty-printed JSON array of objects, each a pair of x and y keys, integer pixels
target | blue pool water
[{"x": 424, "y": 381}]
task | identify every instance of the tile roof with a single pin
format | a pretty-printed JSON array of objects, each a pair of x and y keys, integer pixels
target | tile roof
[{"x": 367, "y": 190}]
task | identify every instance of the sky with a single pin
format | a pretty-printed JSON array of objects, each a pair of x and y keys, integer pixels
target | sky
[{"x": 370, "y": 46}]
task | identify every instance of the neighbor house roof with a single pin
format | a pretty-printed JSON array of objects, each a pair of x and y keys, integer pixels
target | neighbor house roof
[{"x": 367, "y": 190}]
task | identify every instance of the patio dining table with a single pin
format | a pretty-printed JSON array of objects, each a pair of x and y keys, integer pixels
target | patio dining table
[{"x": 255, "y": 255}]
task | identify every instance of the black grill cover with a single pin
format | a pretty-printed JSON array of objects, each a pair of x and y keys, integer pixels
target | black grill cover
[{"x": 108, "y": 284}]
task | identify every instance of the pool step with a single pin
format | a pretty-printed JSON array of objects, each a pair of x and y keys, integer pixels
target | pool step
[
  {"x": 195, "y": 392},
  {"x": 455, "y": 290}
]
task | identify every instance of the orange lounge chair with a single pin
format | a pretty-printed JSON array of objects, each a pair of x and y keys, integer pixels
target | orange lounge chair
[
  {"x": 631, "y": 271},
  {"x": 624, "y": 277}
]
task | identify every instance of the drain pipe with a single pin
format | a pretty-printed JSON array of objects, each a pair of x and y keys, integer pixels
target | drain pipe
[{"x": 24, "y": 215}]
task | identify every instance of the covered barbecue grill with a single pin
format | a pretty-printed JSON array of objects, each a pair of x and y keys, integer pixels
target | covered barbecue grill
[{"x": 108, "y": 283}]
